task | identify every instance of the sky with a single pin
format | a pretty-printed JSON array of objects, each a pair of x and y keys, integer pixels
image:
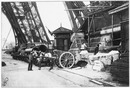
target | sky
[{"x": 52, "y": 13}]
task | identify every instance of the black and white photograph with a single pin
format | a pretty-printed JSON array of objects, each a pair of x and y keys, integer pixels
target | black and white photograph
[{"x": 64, "y": 44}]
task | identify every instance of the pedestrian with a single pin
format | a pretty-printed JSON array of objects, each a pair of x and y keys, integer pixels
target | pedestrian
[
  {"x": 50, "y": 60},
  {"x": 30, "y": 56},
  {"x": 96, "y": 49},
  {"x": 41, "y": 54},
  {"x": 51, "y": 63},
  {"x": 40, "y": 58}
]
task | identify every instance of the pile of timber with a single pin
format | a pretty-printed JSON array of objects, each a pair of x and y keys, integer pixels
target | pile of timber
[
  {"x": 120, "y": 69},
  {"x": 20, "y": 57}
]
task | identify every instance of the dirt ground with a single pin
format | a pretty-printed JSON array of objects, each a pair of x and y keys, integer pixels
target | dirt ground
[{"x": 15, "y": 75}]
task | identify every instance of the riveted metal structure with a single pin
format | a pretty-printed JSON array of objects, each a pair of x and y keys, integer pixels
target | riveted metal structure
[
  {"x": 76, "y": 13},
  {"x": 26, "y": 22}
]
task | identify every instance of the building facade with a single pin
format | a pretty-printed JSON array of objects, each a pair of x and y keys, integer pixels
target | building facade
[
  {"x": 104, "y": 26},
  {"x": 62, "y": 38}
]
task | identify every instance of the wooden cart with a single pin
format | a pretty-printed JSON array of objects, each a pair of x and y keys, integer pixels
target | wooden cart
[{"x": 72, "y": 56}]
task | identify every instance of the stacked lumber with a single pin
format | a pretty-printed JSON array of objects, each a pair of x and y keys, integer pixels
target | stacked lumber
[{"x": 120, "y": 69}]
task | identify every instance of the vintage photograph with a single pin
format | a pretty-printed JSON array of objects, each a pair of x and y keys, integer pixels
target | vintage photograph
[{"x": 64, "y": 44}]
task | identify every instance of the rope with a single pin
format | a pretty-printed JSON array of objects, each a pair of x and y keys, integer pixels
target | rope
[{"x": 6, "y": 38}]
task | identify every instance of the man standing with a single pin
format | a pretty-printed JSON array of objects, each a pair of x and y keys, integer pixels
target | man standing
[
  {"x": 40, "y": 58},
  {"x": 41, "y": 55},
  {"x": 32, "y": 55},
  {"x": 30, "y": 62},
  {"x": 96, "y": 49}
]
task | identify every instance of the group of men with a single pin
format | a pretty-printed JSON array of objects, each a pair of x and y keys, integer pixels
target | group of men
[{"x": 37, "y": 55}]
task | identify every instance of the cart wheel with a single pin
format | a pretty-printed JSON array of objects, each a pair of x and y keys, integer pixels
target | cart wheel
[{"x": 66, "y": 60}]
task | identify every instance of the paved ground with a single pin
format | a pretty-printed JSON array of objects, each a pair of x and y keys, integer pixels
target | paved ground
[{"x": 15, "y": 75}]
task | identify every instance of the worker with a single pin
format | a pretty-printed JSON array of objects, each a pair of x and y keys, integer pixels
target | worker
[
  {"x": 96, "y": 49},
  {"x": 83, "y": 46},
  {"x": 30, "y": 62},
  {"x": 40, "y": 58},
  {"x": 41, "y": 54},
  {"x": 48, "y": 56},
  {"x": 51, "y": 60},
  {"x": 32, "y": 55}
]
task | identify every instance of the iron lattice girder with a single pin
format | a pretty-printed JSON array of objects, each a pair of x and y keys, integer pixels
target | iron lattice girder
[
  {"x": 75, "y": 14},
  {"x": 8, "y": 11},
  {"x": 27, "y": 19}
]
